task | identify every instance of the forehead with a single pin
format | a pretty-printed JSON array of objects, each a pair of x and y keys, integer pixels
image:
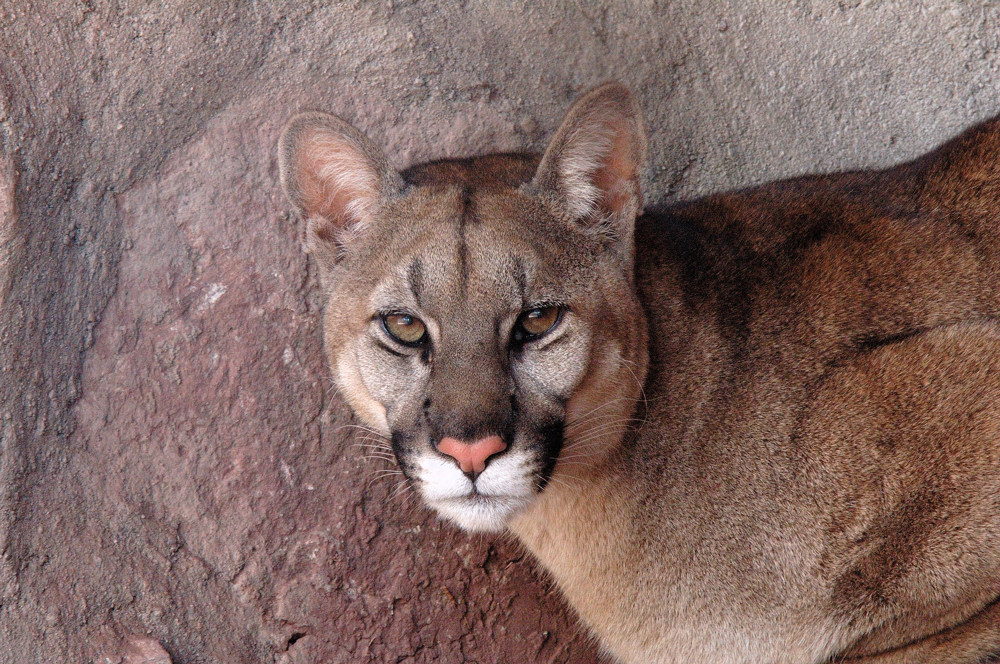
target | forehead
[{"x": 452, "y": 247}]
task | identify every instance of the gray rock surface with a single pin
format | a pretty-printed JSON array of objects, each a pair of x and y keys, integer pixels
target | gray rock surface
[{"x": 177, "y": 480}]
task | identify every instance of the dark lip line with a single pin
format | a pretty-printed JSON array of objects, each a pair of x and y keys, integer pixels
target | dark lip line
[{"x": 476, "y": 496}]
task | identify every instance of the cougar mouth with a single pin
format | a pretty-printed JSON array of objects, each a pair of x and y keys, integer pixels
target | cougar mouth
[{"x": 487, "y": 501}]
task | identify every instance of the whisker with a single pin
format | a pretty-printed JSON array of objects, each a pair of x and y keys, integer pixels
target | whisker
[
  {"x": 562, "y": 482},
  {"x": 592, "y": 441},
  {"x": 575, "y": 460},
  {"x": 593, "y": 414},
  {"x": 373, "y": 457},
  {"x": 601, "y": 406},
  {"x": 362, "y": 427},
  {"x": 385, "y": 473},
  {"x": 401, "y": 489},
  {"x": 364, "y": 445},
  {"x": 602, "y": 430},
  {"x": 642, "y": 390},
  {"x": 609, "y": 421},
  {"x": 381, "y": 454}
]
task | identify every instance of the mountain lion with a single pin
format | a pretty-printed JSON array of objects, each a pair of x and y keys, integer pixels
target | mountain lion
[{"x": 760, "y": 427}]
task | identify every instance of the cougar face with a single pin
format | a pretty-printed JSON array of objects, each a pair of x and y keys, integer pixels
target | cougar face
[
  {"x": 473, "y": 326},
  {"x": 503, "y": 338}
]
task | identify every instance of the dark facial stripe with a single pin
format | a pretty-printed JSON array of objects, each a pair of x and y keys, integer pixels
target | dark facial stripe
[
  {"x": 552, "y": 442},
  {"x": 415, "y": 279},
  {"x": 463, "y": 249},
  {"x": 400, "y": 445},
  {"x": 521, "y": 280}
]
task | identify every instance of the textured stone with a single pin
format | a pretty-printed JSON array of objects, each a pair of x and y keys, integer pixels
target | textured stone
[
  {"x": 142, "y": 650},
  {"x": 177, "y": 479}
]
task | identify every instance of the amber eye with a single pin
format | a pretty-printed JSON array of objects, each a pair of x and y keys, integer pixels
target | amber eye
[
  {"x": 536, "y": 322},
  {"x": 404, "y": 328}
]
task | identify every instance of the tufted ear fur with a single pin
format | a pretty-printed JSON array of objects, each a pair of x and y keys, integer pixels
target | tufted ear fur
[
  {"x": 336, "y": 177},
  {"x": 590, "y": 171}
]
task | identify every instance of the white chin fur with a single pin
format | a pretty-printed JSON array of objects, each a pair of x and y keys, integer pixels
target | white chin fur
[
  {"x": 502, "y": 490},
  {"x": 480, "y": 514}
]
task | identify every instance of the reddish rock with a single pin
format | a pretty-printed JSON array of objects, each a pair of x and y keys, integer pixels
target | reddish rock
[{"x": 141, "y": 650}]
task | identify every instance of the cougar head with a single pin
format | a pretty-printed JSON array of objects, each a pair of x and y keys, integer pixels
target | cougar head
[{"x": 491, "y": 332}]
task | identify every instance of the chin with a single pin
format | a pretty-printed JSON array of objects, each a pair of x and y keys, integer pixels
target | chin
[{"x": 478, "y": 513}]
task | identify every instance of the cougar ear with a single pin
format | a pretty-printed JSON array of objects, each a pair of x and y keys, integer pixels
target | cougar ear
[
  {"x": 336, "y": 177},
  {"x": 590, "y": 170}
]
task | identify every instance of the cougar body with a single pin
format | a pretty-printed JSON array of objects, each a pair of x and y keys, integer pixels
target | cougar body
[{"x": 763, "y": 427}]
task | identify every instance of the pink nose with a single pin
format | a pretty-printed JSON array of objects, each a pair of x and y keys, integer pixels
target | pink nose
[{"x": 471, "y": 457}]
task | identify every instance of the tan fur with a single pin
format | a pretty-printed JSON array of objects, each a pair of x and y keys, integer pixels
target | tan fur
[{"x": 767, "y": 427}]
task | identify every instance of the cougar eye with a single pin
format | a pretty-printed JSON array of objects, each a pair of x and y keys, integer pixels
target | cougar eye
[
  {"x": 535, "y": 322},
  {"x": 404, "y": 328}
]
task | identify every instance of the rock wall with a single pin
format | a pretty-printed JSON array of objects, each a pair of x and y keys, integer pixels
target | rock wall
[{"x": 177, "y": 479}]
